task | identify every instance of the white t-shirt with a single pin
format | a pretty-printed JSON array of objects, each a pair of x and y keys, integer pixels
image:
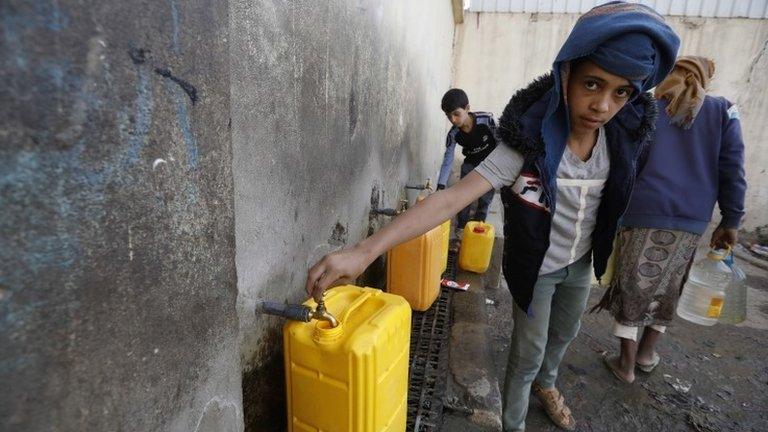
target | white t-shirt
[{"x": 579, "y": 191}]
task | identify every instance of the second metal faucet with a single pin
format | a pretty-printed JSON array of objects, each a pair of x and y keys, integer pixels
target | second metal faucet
[{"x": 426, "y": 186}]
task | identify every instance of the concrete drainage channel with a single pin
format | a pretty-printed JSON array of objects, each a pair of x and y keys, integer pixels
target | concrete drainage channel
[{"x": 429, "y": 360}]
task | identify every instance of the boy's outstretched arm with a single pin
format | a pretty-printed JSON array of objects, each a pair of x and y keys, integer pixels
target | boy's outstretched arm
[{"x": 346, "y": 265}]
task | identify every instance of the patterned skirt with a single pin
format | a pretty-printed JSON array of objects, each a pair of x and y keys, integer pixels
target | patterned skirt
[{"x": 651, "y": 267}]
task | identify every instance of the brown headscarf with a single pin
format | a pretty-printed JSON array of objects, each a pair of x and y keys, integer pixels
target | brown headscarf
[{"x": 685, "y": 88}]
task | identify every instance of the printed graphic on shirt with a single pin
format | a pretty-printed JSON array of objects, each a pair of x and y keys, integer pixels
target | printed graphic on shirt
[
  {"x": 529, "y": 190},
  {"x": 481, "y": 148},
  {"x": 733, "y": 112}
]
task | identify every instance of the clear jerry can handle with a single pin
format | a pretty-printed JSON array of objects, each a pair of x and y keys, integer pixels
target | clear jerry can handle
[{"x": 719, "y": 254}]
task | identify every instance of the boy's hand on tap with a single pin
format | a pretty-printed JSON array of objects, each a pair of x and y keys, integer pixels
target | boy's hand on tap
[{"x": 337, "y": 268}]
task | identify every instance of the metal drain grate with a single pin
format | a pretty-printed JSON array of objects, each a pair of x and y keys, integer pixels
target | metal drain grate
[
  {"x": 429, "y": 360},
  {"x": 450, "y": 270}
]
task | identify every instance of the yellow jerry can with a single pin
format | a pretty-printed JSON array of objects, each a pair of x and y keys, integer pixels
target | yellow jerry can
[
  {"x": 476, "y": 247},
  {"x": 354, "y": 377},
  {"x": 414, "y": 269},
  {"x": 446, "y": 242}
]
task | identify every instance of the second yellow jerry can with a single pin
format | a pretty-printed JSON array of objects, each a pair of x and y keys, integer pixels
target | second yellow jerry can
[
  {"x": 414, "y": 269},
  {"x": 476, "y": 247},
  {"x": 353, "y": 377},
  {"x": 446, "y": 226}
]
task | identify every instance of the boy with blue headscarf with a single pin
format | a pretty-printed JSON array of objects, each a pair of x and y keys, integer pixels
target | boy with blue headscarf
[{"x": 571, "y": 142}]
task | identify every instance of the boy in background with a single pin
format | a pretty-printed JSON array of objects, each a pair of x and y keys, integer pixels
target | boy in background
[{"x": 475, "y": 133}]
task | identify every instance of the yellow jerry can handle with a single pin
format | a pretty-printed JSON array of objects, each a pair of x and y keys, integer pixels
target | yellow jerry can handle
[
  {"x": 354, "y": 305},
  {"x": 325, "y": 333}
]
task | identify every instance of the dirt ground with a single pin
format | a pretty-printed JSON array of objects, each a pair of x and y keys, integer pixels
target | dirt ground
[{"x": 710, "y": 379}]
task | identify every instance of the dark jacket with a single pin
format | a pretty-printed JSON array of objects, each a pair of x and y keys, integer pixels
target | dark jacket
[
  {"x": 528, "y": 217},
  {"x": 686, "y": 170}
]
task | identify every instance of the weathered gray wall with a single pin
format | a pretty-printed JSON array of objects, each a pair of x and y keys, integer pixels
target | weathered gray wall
[
  {"x": 117, "y": 259},
  {"x": 498, "y": 53},
  {"x": 164, "y": 165},
  {"x": 329, "y": 99}
]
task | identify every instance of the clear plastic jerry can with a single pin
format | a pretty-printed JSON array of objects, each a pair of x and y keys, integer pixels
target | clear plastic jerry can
[
  {"x": 704, "y": 292},
  {"x": 735, "y": 306}
]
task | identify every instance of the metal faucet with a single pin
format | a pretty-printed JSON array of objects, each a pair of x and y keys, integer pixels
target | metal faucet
[
  {"x": 321, "y": 314},
  {"x": 385, "y": 212},
  {"x": 298, "y": 312}
]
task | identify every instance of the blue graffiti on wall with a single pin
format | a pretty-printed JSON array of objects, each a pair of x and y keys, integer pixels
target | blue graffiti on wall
[
  {"x": 38, "y": 15},
  {"x": 142, "y": 112},
  {"x": 56, "y": 189},
  {"x": 175, "y": 27}
]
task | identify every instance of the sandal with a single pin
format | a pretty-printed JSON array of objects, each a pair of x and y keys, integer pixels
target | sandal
[
  {"x": 649, "y": 367},
  {"x": 554, "y": 405},
  {"x": 609, "y": 363}
]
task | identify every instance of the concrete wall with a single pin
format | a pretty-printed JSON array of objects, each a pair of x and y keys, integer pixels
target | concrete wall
[
  {"x": 117, "y": 250},
  {"x": 329, "y": 101},
  {"x": 497, "y": 53}
]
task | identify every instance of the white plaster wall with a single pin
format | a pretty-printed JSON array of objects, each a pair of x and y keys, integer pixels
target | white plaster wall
[
  {"x": 328, "y": 100},
  {"x": 497, "y": 53}
]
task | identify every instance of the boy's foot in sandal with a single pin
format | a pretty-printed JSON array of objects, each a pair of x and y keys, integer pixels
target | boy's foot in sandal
[
  {"x": 614, "y": 365},
  {"x": 554, "y": 405},
  {"x": 648, "y": 367}
]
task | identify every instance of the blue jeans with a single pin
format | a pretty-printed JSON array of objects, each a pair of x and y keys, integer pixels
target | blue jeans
[
  {"x": 539, "y": 341},
  {"x": 482, "y": 203}
]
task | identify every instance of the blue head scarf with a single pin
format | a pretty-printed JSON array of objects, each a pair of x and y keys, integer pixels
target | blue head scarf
[{"x": 626, "y": 39}]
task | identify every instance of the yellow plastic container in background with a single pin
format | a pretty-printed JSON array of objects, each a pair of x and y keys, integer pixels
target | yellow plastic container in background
[
  {"x": 446, "y": 242},
  {"x": 476, "y": 247},
  {"x": 414, "y": 269},
  {"x": 352, "y": 378}
]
